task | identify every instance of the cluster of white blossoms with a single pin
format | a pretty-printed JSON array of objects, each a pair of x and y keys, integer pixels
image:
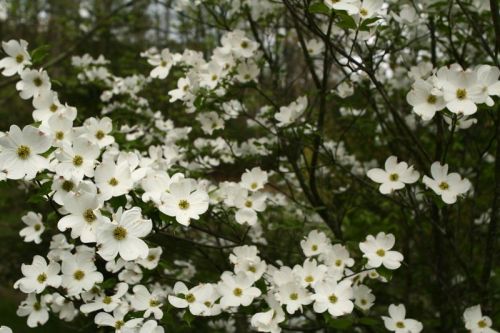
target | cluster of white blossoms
[
  {"x": 458, "y": 90},
  {"x": 396, "y": 175},
  {"x": 324, "y": 282},
  {"x": 111, "y": 201}
]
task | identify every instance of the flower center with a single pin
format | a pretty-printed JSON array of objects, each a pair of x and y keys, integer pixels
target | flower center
[
  {"x": 113, "y": 181},
  {"x": 253, "y": 186},
  {"x": 214, "y": 77},
  {"x": 393, "y": 177},
  {"x": 67, "y": 185},
  {"x": 53, "y": 107},
  {"x": 23, "y": 152},
  {"x": 461, "y": 94},
  {"x": 333, "y": 298},
  {"x": 37, "y": 306},
  {"x": 309, "y": 279},
  {"x": 248, "y": 204},
  {"x": 59, "y": 135},
  {"x": 184, "y": 204},
  {"x": 338, "y": 262},
  {"x": 363, "y": 12},
  {"x": 294, "y": 296},
  {"x": 237, "y": 292},
  {"x": 99, "y": 135},
  {"x": 19, "y": 58},
  {"x": 77, "y": 160},
  {"x": 37, "y": 81},
  {"x": 380, "y": 252},
  {"x": 431, "y": 99},
  {"x": 78, "y": 275},
  {"x": 252, "y": 268},
  {"x": 190, "y": 298},
  {"x": 400, "y": 324},
  {"x": 120, "y": 233},
  {"x": 107, "y": 300},
  {"x": 363, "y": 301},
  {"x": 151, "y": 257},
  {"x": 119, "y": 324},
  {"x": 444, "y": 186},
  {"x": 89, "y": 216},
  {"x": 482, "y": 323},
  {"x": 244, "y": 44},
  {"x": 314, "y": 247},
  {"x": 154, "y": 302},
  {"x": 41, "y": 278},
  {"x": 37, "y": 227}
]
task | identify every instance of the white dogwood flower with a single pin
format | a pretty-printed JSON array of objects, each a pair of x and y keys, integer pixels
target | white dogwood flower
[
  {"x": 476, "y": 322},
  {"x": 38, "y": 276},
  {"x": 123, "y": 236},
  {"x": 378, "y": 251},
  {"x": 184, "y": 201},
  {"x": 34, "y": 227},
  {"x": 20, "y": 154},
  {"x": 395, "y": 175},
  {"x": 398, "y": 323},
  {"x": 448, "y": 186},
  {"x": 17, "y": 57},
  {"x": 334, "y": 298}
]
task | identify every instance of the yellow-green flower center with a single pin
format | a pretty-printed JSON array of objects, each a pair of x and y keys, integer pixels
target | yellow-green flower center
[
  {"x": 89, "y": 216},
  {"x": 37, "y": 306},
  {"x": 23, "y": 152},
  {"x": 184, "y": 204},
  {"x": 77, "y": 160},
  {"x": 113, "y": 181},
  {"x": 99, "y": 135},
  {"x": 120, "y": 233},
  {"x": 78, "y": 275},
  {"x": 190, "y": 298},
  {"x": 237, "y": 292},
  {"x": 37, "y": 81},
  {"x": 461, "y": 94},
  {"x": 444, "y": 186},
  {"x": 68, "y": 185},
  {"x": 41, "y": 278},
  {"x": 394, "y": 177},
  {"x": 154, "y": 303}
]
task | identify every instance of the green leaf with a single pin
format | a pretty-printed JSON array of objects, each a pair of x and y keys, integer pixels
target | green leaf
[
  {"x": 345, "y": 20},
  {"x": 365, "y": 24},
  {"x": 319, "y": 8},
  {"x": 339, "y": 323},
  {"x": 118, "y": 202},
  {"x": 39, "y": 54},
  {"x": 109, "y": 283},
  {"x": 367, "y": 321},
  {"x": 188, "y": 318},
  {"x": 384, "y": 272}
]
